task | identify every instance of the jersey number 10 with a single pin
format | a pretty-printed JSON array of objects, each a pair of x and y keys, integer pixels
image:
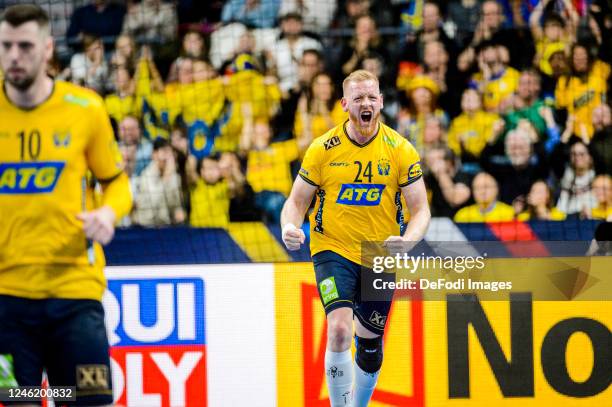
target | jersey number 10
[{"x": 30, "y": 144}]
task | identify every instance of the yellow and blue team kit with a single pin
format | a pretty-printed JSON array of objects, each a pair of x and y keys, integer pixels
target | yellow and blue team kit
[
  {"x": 358, "y": 188},
  {"x": 580, "y": 97},
  {"x": 45, "y": 155}
]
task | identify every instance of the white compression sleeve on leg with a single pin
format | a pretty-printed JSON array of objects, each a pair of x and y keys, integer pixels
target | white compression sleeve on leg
[
  {"x": 364, "y": 386},
  {"x": 339, "y": 375}
]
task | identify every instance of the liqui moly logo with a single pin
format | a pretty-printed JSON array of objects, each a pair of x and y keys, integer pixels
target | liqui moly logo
[{"x": 157, "y": 332}]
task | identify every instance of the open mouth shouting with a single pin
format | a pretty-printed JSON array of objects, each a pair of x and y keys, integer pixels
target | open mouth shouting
[{"x": 366, "y": 117}]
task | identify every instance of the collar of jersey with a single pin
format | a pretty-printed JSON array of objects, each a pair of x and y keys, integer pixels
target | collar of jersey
[
  {"x": 356, "y": 143},
  {"x": 27, "y": 109},
  {"x": 495, "y": 77},
  {"x": 489, "y": 208}
]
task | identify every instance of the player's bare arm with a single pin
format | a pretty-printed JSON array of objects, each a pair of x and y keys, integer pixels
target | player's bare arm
[
  {"x": 415, "y": 195},
  {"x": 99, "y": 224},
  {"x": 293, "y": 213}
]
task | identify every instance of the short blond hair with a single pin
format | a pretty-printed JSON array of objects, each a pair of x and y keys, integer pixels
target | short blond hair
[{"x": 360, "y": 75}]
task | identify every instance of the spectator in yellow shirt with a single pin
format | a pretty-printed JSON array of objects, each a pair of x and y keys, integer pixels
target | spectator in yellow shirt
[
  {"x": 496, "y": 81},
  {"x": 557, "y": 59},
  {"x": 602, "y": 190},
  {"x": 553, "y": 30},
  {"x": 487, "y": 208},
  {"x": 209, "y": 194},
  {"x": 470, "y": 131},
  {"x": 422, "y": 92},
  {"x": 122, "y": 102},
  {"x": 268, "y": 164},
  {"x": 582, "y": 91},
  {"x": 539, "y": 204},
  {"x": 318, "y": 112}
]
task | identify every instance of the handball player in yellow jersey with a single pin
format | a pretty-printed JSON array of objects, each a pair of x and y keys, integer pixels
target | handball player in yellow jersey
[
  {"x": 359, "y": 172},
  {"x": 52, "y": 134}
]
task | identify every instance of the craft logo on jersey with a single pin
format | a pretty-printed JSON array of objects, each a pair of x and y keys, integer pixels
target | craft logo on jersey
[
  {"x": 384, "y": 166},
  {"x": 29, "y": 177},
  {"x": 360, "y": 194},
  {"x": 156, "y": 329},
  {"x": 332, "y": 142}
]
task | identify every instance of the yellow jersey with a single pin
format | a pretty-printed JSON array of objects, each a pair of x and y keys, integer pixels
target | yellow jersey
[
  {"x": 555, "y": 214},
  {"x": 498, "y": 88},
  {"x": 195, "y": 101},
  {"x": 581, "y": 98},
  {"x": 499, "y": 212},
  {"x": 209, "y": 205},
  {"x": 476, "y": 130},
  {"x": 119, "y": 107},
  {"x": 601, "y": 212},
  {"x": 359, "y": 188},
  {"x": 269, "y": 169},
  {"x": 45, "y": 155},
  {"x": 202, "y": 105}
]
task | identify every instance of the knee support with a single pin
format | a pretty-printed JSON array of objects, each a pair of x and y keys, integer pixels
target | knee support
[{"x": 369, "y": 355}]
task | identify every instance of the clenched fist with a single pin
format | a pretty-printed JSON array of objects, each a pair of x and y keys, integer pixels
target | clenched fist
[
  {"x": 99, "y": 224},
  {"x": 293, "y": 237}
]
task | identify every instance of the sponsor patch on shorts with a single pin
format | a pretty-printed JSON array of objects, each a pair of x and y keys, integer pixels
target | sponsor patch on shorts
[
  {"x": 7, "y": 371},
  {"x": 328, "y": 290}
]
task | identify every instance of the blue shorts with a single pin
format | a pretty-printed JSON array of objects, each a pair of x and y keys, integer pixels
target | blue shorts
[
  {"x": 66, "y": 338},
  {"x": 339, "y": 285}
]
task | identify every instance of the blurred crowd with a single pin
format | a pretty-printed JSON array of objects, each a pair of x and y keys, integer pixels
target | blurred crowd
[{"x": 214, "y": 103}]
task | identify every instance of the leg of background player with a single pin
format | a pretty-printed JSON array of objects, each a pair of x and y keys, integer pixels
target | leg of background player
[
  {"x": 338, "y": 359},
  {"x": 365, "y": 382}
]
